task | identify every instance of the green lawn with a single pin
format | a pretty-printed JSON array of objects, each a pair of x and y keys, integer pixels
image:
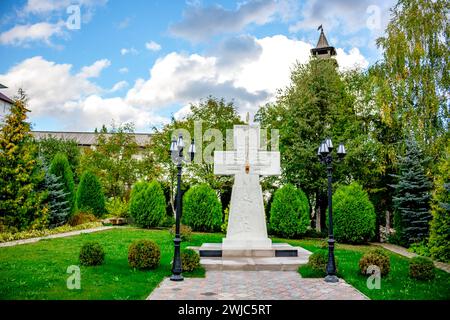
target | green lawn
[
  {"x": 38, "y": 270},
  {"x": 395, "y": 286}
]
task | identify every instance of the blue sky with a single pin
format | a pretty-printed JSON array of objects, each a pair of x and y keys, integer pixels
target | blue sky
[{"x": 143, "y": 61}]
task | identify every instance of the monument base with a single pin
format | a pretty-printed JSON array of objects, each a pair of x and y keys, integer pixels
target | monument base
[
  {"x": 248, "y": 244},
  {"x": 277, "y": 257}
]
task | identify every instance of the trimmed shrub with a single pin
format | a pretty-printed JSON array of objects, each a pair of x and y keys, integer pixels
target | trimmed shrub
[
  {"x": 289, "y": 212},
  {"x": 60, "y": 167},
  {"x": 91, "y": 254},
  {"x": 376, "y": 257},
  {"x": 318, "y": 261},
  {"x": 90, "y": 195},
  {"x": 421, "y": 268},
  {"x": 185, "y": 232},
  {"x": 144, "y": 254},
  {"x": 190, "y": 260},
  {"x": 117, "y": 207},
  {"x": 202, "y": 210},
  {"x": 354, "y": 215},
  {"x": 148, "y": 204},
  {"x": 81, "y": 218}
]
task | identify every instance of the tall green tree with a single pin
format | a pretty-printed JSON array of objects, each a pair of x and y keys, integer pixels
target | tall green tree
[
  {"x": 413, "y": 79},
  {"x": 19, "y": 172},
  {"x": 115, "y": 160},
  {"x": 90, "y": 195},
  {"x": 439, "y": 242},
  {"x": 212, "y": 113},
  {"x": 317, "y": 104},
  {"x": 412, "y": 197}
]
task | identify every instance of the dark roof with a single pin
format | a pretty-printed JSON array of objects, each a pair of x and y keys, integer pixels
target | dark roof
[
  {"x": 6, "y": 99},
  {"x": 2, "y": 86},
  {"x": 323, "y": 47},
  {"x": 86, "y": 138}
]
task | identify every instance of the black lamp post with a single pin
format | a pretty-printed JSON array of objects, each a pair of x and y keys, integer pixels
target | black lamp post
[
  {"x": 176, "y": 152},
  {"x": 324, "y": 154}
]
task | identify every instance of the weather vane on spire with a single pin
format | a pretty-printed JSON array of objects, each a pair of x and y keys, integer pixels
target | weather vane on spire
[{"x": 320, "y": 28}]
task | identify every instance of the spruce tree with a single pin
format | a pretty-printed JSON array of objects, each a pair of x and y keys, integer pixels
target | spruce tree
[
  {"x": 412, "y": 197},
  {"x": 59, "y": 207},
  {"x": 19, "y": 201},
  {"x": 60, "y": 167}
]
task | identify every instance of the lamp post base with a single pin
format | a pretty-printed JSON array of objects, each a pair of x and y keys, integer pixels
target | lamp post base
[
  {"x": 176, "y": 277},
  {"x": 331, "y": 278}
]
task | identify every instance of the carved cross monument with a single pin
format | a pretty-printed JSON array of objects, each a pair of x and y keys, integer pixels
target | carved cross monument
[{"x": 246, "y": 222}]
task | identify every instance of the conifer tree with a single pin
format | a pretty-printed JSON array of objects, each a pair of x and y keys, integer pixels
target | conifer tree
[
  {"x": 412, "y": 197},
  {"x": 19, "y": 201},
  {"x": 60, "y": 167},
  {"x": 59, "y": 207}
]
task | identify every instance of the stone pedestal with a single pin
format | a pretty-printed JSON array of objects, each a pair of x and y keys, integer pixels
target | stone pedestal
[{"x": 246, "y": 222}]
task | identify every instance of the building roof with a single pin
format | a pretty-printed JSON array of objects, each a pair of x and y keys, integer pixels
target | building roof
[
  {"x": 86, "y": 139},
  {"x": 5, "y": 99},
  {"x": 323, "y": 47}
]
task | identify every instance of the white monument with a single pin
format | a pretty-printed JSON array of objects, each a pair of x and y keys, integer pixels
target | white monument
[{"x": 246, "y": 222}]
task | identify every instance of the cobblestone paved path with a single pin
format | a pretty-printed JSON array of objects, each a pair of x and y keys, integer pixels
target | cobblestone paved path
[{"x": 254, "y": 285}]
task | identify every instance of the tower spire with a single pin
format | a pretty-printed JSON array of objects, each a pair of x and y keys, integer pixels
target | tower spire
[{"x": 323, "y": 49}]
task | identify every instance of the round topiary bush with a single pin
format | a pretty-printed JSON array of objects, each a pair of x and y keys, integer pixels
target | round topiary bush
[
  {"x": 202, "y": 210},
  {"x": 318, "y": 261},
  {"x": 375, "y": 257},
  {"x": 354, "y": 216},
  {"x": 190, "y": 260},
  {"x": 421, "y": 268},
  {"x": 91, "y": 254},
  {"x": 289, "y": 212},
  {"x": 144, "y": 254},
  {"x": 90, "y": 195},
  {"x": 60, "y": 167},
  {"x": 185, "y": 232},
  {"x": 148, "y": 204}
]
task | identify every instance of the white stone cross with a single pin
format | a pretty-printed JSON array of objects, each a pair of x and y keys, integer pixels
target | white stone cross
[{"x": 246, "y": 222}]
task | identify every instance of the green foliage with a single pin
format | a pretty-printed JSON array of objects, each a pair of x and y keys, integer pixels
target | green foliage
[
  {"x": 90, "y": 195},
  {"x": 318, "y": 261},
  {"x": 375, "y": 257},
  {"x": 60, "y": 167},
  {"x": 92, "y": 254},
  {"x": 117, "y": 207},
  {"x": 224, "y": 225},
  {"x": 148, "y": 204},
  {"x": 421, "y": 268},
  {"x": 56, "y": 199},
  {"x": 144, "y": 254},
  {"x": 439, "y": 242},
  {"x": 114, "y": 160},
  {"x": 202, "y": 210},
  {"x": 19, "y": 170},
  {"x": 185, "y": 232},
  {"x": 11, "y": 236},
  {"x": 51, "y": 145},
  {"x": 81, "y": 218},
  {"x": 289, "y": 213},
  {"x": 190, "y": 260},
  {"x": 412, "y": 197},
  {"x": 420, "y": 248},
  {"x": 353, "y": 215}
]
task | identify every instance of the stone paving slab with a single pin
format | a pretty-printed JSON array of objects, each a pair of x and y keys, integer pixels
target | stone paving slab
[
  {"x": 404, "y": 252},
  {"x": 53, "y": 236},
  {"x": 254, "y": 285}
]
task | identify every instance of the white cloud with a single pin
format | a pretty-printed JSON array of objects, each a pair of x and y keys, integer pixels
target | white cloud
[
  {"x": 119, "y": 86},
  {"x": 125, "y": 51},
  {"x": 24, "y": 34},
  {"x": 94, "y": 70},
  {"x": 48, "y": 6},
  {"x": 250, "y": 78},
  {"x": 123, "y": 70},
  {"x": 153, "y": 46},
  {"x": 199, "y": 23}
]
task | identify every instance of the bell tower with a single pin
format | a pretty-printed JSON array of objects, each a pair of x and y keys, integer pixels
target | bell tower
[{"x": 323, "y": 49}]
